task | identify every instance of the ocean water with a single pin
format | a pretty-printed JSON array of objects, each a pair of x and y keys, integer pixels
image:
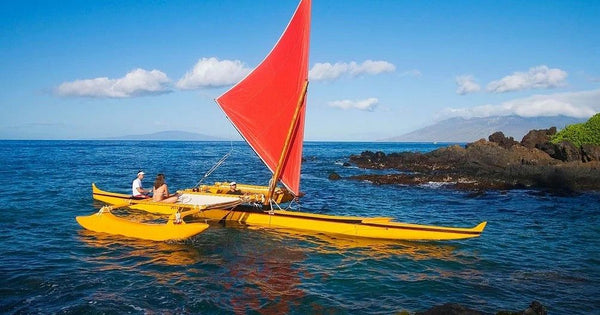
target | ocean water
[{"x": 536, "y": 246}]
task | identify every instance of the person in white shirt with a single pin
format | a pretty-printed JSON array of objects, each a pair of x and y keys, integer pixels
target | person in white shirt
[{"x": 136, "y": 188}]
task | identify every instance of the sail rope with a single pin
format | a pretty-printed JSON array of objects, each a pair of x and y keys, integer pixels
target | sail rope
[
  {"x": 290, "y": 205},
  {"x": 296, "y": 201},
  {"x": 215, "y": 167}
]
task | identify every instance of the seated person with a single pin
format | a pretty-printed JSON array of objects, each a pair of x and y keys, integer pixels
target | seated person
[
  {"x": 137, "y": 190},
  {"x": 233, "y": 189},
  {"x": 161, "y": 191}
]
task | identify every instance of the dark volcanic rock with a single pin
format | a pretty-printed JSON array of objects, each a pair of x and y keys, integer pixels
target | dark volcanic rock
[
  {"x": 538, "y": 138},
  {"x": 535, "y": 308},
  {"x": 590, "y": 152},
  {"x": 485, "y": 165},
  {"x": 567, "y": 152},
  {"x": 374, "y": 159},
  {"x": 501, "y": 163},
  {"x": 450, "y": 309},
  {"x": 550, "y": 148},
  {"x": 334, "y": 176},
  {"x": 503, "y": 141}
]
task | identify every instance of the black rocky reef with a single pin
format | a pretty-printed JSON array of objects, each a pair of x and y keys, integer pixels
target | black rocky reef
[
  {"x": 535, "y": 308},
  {"x": 499, "y": 163}
]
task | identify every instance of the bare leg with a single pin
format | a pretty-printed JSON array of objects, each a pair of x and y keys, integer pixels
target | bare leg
[{"x": 172, "y": 199}]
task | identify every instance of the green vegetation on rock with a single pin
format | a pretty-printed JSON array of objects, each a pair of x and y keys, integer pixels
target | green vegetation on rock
[{"x": 579, "y": 134}]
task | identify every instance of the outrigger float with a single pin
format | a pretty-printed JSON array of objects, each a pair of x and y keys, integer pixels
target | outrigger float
[
  {"x": 106, "y": 222},
  {"x": 268, "y": 109}
]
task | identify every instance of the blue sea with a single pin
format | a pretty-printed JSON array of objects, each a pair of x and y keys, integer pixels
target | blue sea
[{"x": 536, "y": 246}]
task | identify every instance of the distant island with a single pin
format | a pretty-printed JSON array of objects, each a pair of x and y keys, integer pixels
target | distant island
[
  {"x": 455, "y": 130},
  {"x": 171, "y": 135},
  {"x": 563, "y": 162},
  {"x": 464, "y": 130}
]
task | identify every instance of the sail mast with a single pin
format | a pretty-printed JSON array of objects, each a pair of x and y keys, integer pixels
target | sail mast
[{"x": 285, "y": 151}]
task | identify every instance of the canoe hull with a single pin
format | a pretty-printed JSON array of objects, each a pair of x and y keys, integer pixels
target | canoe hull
[{"x": 341, "y": 225}]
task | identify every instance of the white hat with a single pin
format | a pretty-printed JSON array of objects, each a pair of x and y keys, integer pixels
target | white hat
[
  {"x": 141, "y": 173},
  {"x": 232, "y": 183}
]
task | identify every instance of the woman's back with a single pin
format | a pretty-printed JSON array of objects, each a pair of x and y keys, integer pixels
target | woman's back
[{"x": 160, "y": 193}]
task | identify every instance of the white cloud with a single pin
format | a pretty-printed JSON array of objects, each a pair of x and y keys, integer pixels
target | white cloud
[
  {"x": 540, "y": 77},
  {"x": 573, "y": 104},
  {"x": 138, "y": 82},
  {"x": 327, "y": 71},
  {"x": 366, "y": 105},
  {"x": 411, "y": 73},
  {"x": 466, "y": 84},
  {"x": 212, "y": 72}
]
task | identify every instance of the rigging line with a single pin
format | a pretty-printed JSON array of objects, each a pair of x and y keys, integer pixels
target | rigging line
[
  {"x": 214, "y": 168},
  {"x": 291, "y": 204}
]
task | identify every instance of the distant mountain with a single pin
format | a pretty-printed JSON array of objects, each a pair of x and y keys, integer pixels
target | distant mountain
[
  {"x": 171, "y": 135},
  {"x": 460, "y": 129}
]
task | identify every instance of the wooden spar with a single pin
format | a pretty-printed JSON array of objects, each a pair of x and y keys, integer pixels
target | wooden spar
[{"x": 286, "y": 145}]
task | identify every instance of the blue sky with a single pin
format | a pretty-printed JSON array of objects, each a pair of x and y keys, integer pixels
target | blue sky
[{"x": 378, "y": 69}]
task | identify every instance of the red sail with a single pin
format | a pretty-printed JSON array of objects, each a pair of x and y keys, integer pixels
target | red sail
[{"x": 262, "y": 106}]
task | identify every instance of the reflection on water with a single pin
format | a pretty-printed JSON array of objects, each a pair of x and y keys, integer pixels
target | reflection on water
[
  {"x": 112, "y": 248},
  {"x": 372, "y": 248},
  {"x": 265, "y": 277}
]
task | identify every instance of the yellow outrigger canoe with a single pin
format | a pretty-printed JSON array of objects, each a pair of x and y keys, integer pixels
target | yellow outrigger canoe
[
  {"x": 268, "y": 109},
  {"x": 244, "y": 210}
]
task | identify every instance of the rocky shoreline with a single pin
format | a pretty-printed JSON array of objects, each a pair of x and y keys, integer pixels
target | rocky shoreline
[{"x": 499, "y": 163}]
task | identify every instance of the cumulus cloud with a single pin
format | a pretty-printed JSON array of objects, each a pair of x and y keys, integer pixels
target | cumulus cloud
[
  {"x": 212, "y": 72},
  {"x": 573, "y": 104},
  {"x": 540, "y": 77},
  {"x": 365, "y": 105},
  {"x": 138, "y": 82},
  {"x": 466, "y": 84},
  {"x": 328, "y": 71}
]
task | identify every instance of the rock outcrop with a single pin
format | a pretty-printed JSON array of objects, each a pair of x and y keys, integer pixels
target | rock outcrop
[
  {"x": 501, "y": 163},
  {"x": 334, "y": 176},
  {"x": 535, "y": 308},
  {"x": 503, "y": 141}
]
